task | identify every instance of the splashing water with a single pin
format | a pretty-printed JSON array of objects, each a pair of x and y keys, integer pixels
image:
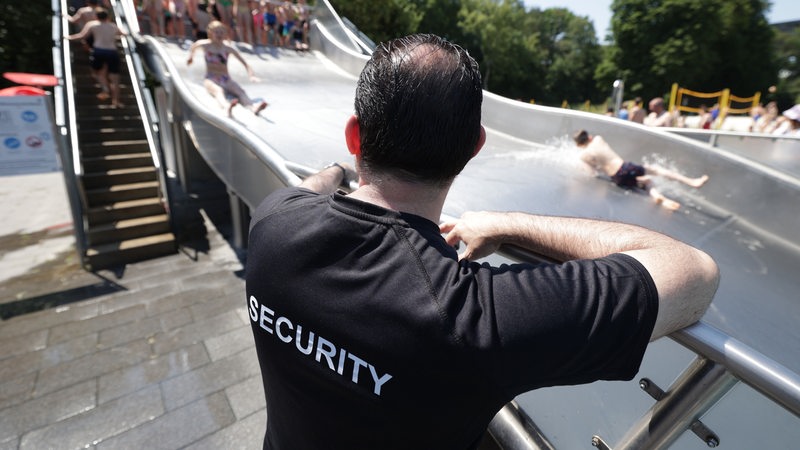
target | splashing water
[{"x": 559, "y": 152}]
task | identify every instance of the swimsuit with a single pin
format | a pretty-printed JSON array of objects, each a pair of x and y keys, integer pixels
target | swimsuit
[
  {"x": 104, "y": 56},
  {"x": 627, "y": 174},
  {"x": 221, "y": 80},
  {"x": 216, "y": 58}
]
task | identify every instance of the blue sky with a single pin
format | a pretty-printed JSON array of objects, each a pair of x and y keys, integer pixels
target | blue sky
[{"x": 599, "y": 11}]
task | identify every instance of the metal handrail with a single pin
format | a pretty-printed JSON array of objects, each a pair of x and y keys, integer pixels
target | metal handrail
[
  {"x": 66, "y": 123},
  {"x": 144, "y": 101},
  {"x": 770, "y": 378}
]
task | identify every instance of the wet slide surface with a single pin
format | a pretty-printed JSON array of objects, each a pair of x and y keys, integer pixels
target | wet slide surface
[{"x": 757, "y": 302}]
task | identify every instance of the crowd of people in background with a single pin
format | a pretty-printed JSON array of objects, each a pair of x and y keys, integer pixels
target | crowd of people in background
[
  {"x": 763, "y": 119},
  {"x": 258, "y": 23}
]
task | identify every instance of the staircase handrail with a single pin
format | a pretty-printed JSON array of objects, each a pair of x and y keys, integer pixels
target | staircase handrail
[
  {"x": 65, "y": 117},
  {"x": 127, "y": 20}
]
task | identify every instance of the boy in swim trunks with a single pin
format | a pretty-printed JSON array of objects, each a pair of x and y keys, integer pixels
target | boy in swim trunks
[
  {"x": 104, "y": 56},
  {"x": 217, "y": 80},
  {"x": 627, "y": 175}
]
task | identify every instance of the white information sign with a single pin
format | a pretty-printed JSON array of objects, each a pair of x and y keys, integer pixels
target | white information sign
[{"x": 28, "y": 143}]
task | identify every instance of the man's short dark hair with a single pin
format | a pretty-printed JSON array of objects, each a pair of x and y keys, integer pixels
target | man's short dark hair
[
  {"x": 418, "y": 104},
  {"x": 581, "y": 137}
]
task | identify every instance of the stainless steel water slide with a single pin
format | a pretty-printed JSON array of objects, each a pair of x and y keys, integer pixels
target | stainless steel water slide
[{"x": 731, "y": 379}]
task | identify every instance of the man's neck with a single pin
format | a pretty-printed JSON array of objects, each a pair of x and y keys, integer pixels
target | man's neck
[{"x": 419, "y": 199}]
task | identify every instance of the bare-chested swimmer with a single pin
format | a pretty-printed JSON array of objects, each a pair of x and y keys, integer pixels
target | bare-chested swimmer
[{"x": 601, "y": 157}]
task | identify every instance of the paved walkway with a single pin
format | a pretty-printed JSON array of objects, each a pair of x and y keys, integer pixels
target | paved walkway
[{"x": 156, "y": 355}]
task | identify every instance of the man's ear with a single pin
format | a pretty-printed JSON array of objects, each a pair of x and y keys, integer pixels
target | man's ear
[
  {"x": 481, "y": 141},
  {"x": 352, "y": 136}
]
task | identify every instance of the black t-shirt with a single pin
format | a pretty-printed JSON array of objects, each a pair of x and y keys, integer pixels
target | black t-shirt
[{"x": 371, "y": 334}]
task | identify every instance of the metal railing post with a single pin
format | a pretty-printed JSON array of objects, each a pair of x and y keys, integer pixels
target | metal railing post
[{"x": 698, "y": 388}]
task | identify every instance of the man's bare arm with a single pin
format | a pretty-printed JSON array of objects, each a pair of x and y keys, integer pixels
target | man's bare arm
[
  {"x": 327, "y": 180},
  {"x": 686, "y": 278}
]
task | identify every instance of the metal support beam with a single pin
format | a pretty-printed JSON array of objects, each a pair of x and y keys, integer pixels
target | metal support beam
[
  {"x": 698, "y": 388},
  {"x": 512, "y": 429},
  {"x": 240, "y": 220}
]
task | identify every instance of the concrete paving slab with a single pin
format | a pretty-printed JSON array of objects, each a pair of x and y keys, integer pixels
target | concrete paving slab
[{"x": 160, "y": 357}]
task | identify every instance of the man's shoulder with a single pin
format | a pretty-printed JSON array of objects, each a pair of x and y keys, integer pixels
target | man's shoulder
[
  {"x": 282, "y": 199},
  {"x": 287, "y": 194}
]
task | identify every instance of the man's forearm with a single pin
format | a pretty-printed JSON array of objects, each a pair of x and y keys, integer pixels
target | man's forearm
[
  {"x": 686, "y": 278},
  {"x": 327, "y": 180},
  {"x": 566, "y": 238}
]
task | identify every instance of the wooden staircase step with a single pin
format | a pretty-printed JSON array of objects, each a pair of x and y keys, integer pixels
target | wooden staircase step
[
  {"x": 103, "y": 134},
  {"x": 105, "y": 108},
  {"x": 115, "y": 147},
  {"x": 88, "y": 89},
  {"x": 122, "y": 176},
  {"x": 93, "y": 164},
  {"x": 119, "y": 253},
  {"x": 128, "y": 229},
  {"x": 124, "y": 210},
  {"x": 117, "y": 193},
  {"x": 98, "y": 120}
]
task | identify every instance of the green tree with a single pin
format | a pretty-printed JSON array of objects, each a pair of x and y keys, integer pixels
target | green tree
[
  {"x": 747, "y": 43},
  {"x": 25, "y": 38},
  {"x": 506, "y": 45},
  {"x": 571, "y": 53},
  {"x": 787, "y": 50},
  {"x": 437, "y": 18},
  {"x": 383, "y": 20},
  {"x": 545, "y": 55},
  {"x": 706, "y": 46}
]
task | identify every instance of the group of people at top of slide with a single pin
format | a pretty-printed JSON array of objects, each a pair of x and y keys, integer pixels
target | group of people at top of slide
[
  {"x": 256, "y": 22},
  {"x": 373, "y": 331}
]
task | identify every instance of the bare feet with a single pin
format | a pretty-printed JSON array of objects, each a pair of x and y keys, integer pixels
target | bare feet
[
  {"x": 699, "y": 181},
  {"x": 671, "y": 205},
  {"x": 660, "y": 199},
  {"x": 233, "y": 103},
  {"x": 258, "y": 108}
]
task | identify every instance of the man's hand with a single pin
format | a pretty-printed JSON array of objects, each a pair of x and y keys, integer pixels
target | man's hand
[{"x": 477, "y": 230}]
